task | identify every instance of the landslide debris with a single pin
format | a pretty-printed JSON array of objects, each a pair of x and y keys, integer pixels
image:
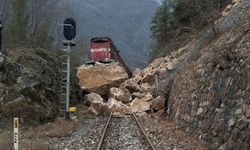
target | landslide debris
[
  {"x": 138, "y": 94},
  {"x": 204, "y": 86}
]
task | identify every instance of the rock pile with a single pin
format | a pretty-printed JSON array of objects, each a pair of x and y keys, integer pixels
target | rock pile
[{"x": 137, "y": 94}]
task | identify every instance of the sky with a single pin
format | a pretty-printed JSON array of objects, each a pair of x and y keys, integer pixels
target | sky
[{"x": 159, "y": 1}]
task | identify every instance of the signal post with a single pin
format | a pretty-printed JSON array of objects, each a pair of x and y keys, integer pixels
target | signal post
[{"x": 69, "y": 31}]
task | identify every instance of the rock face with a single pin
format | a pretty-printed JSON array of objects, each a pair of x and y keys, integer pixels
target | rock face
[
  {"x": 29, "y": 84},
  {"x": 120, "y": 94},
  {"x": 211, "y": 94},
  {"x": 101, "y": 77}
]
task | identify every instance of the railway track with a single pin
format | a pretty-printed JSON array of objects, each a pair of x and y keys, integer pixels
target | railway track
[{"x": 124, "y": 134}]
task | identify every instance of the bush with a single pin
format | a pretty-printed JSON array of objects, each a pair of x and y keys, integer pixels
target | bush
[
  {"x": 41, "y": 37},
  {"x": 197, "y": 13}
]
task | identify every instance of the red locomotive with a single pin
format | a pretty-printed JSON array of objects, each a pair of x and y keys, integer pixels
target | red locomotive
[{"x": 103, "y": 50}]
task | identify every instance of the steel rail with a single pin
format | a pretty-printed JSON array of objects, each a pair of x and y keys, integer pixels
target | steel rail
[
  {"x": 143, "y": 131},
  {"x": 104, "y": 132}
]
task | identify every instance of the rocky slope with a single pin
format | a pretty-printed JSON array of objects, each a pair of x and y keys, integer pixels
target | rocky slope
[
  {"x": 211, "y": 94},
  {"x": 29, "y": 85},
  {"x": 208, "y": 90}
]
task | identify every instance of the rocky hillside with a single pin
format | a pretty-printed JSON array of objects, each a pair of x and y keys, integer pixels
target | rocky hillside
[
  {"x": 208, "y": 85},
  {"x": 29, "y": 84},
  {"x": 211, "y": 94}
]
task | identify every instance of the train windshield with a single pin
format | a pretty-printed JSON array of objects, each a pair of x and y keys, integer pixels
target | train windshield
[
  {"x": 101, "y": 43},
  {"x": 100, "y": 49}
]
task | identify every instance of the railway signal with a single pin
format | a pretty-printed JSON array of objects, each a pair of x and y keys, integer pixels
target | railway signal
[{"x": 69, "y": 31}]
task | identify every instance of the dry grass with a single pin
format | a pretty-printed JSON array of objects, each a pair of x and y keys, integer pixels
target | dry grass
[
  {"x": 41, "y": 137},
  {"x": 35, "y": 145},
  {"x": 60, "y": 128},
  {"x": 6, "y": 141}
]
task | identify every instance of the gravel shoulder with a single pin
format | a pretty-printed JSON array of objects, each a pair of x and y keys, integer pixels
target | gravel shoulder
[
  {"x": 84, "y": 133},
  {"x": 165, "y": 136},
  {"x": 124, "y": 134}
]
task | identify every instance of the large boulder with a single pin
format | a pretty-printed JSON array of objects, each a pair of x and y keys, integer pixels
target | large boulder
[
  {"x": 29, "y": 85},
  {"x": 120, "y": 94},
  {"x": 100, "y": 78},
  {"x": 140, "y": 105},
  {"x": 132, "y": 84},
  {"x": 158, "y": 103},
  {"x": 96, "y": 104},
  {"x": 99, "y": 108},
  {"x": 117, "y": 107},
  {"x": 92, "y": 97}
]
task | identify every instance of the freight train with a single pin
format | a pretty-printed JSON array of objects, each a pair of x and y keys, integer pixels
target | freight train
[{"x": 104, "y": 50}]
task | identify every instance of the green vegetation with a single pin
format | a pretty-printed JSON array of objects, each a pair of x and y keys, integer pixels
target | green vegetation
[
  {"x": 41, "y": 37},
  {"x": 160, "y": 22},
  {"x": 175, "y": 14},
  {"x": 160, "y": 26}
]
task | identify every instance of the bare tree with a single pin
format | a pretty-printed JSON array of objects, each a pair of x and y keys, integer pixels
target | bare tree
[
  {"x": 42, "y": 12},
  {"x": 4, "y": 7}
]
